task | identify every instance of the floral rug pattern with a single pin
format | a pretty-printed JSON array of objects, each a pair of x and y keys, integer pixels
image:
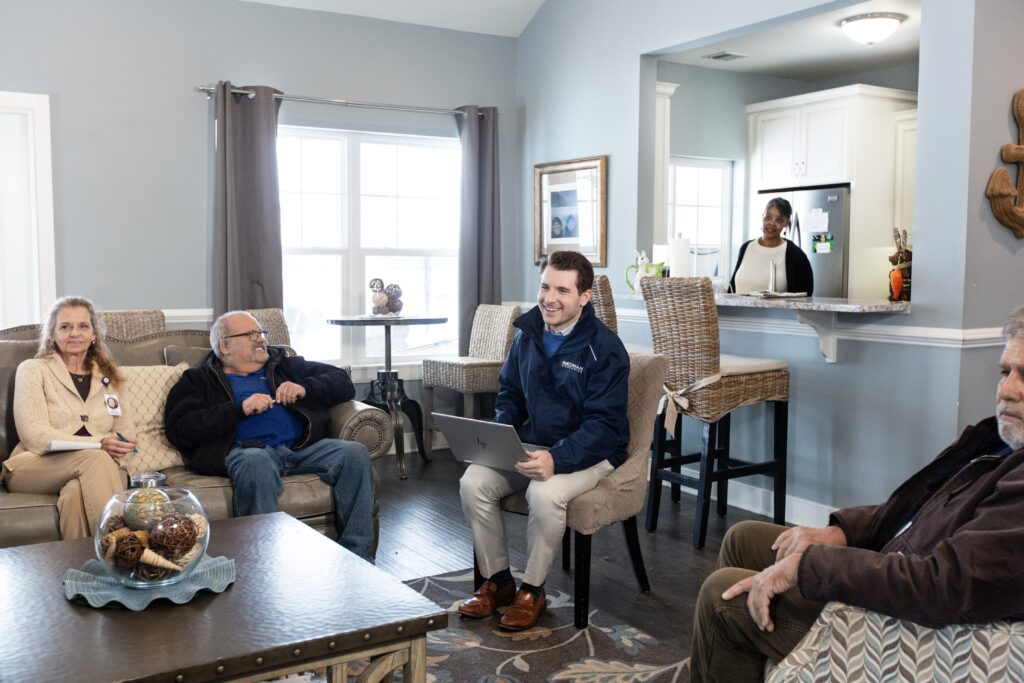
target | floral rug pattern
[{"x": 477, "y": 651}]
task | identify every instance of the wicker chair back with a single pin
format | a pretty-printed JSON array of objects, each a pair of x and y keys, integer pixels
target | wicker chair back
[
  {"x": 492, "y": 332},
  {"x": 684, "y": 326},
  {"x": 604, "y": 304}
]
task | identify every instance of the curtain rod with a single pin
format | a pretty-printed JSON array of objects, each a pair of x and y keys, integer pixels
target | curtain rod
[{"x": 211, "y": 90}]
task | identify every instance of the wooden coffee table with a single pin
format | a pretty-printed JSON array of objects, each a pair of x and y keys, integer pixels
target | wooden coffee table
[{"x": 299, "y": 600}]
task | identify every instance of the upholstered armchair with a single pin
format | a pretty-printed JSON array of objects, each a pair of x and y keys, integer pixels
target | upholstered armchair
[{"x": 849, "y": 643}]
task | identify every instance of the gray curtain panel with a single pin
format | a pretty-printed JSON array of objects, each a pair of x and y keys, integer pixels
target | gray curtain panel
[
  {"x": 247, "y": 212},
  {"x": 480, "y": 232}
]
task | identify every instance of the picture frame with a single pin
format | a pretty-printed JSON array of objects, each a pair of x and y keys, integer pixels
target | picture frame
[{"x": 570, "y": 208}]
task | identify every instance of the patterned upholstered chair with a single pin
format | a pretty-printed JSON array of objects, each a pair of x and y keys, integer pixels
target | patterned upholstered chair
[
  {"x": 853, "y": 644},
  {"x": 706, "y": 385},
  {"x": 129, "y": 324},
  {"x": 604, "y": 304},
  {"x": 476, "y": 373},
  {"x": 619, "y": 497}
]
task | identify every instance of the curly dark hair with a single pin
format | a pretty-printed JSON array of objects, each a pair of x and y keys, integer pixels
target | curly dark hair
[{"x": 572, "y": 260}]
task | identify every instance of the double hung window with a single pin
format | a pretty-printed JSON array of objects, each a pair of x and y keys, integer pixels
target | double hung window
[
  {"x": 358, "y": 206},
  {"x": 700, "y": 210}
]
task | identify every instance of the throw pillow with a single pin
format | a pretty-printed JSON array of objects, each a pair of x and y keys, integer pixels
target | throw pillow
[
  {"x": 146, "y": 389},
  {"x": 193, "y": 355}
]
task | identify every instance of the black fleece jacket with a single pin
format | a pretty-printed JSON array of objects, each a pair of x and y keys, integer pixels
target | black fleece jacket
[{"x": 202, "y": 418}]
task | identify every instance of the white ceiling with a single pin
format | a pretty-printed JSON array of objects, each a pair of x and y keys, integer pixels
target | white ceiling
[
  {"x": 815, "y": 47},
  {"x": 495, "y": 17}
]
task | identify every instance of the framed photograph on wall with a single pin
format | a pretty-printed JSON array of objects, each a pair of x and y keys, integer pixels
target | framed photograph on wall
[{"x": 570, "y": 208}]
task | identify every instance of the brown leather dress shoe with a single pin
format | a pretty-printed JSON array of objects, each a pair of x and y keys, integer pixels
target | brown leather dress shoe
[
  {"x": 488, "y": 598},
  {"x": 524, "y": 612}
]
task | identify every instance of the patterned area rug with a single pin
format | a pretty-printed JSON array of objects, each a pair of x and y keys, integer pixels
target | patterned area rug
[{"x": 477, "y": 651}]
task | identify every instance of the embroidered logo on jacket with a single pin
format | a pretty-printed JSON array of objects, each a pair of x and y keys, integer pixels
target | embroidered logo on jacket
[{"x": 572, "y": 366}]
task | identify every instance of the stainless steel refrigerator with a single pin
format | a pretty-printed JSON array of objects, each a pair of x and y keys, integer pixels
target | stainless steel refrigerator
[{"x": 821, "y": 227}]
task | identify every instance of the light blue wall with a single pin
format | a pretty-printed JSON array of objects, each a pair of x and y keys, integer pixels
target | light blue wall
[
  {"x": 132, "y": 138},
  {"x": 858, "y": 427}
]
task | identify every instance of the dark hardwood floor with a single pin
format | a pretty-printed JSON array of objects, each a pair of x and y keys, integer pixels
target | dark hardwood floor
[{"x": 423, "y": 533}]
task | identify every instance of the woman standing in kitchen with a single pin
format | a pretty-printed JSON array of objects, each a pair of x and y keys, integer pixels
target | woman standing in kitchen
[{"x": 771, "y": 251}]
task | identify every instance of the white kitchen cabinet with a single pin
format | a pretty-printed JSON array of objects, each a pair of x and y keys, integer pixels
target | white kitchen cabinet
[{"x": 840, "y": 136}]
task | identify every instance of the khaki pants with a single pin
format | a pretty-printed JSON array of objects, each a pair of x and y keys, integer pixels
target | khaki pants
[
  {"x": 728, "y": 647},
  {"x": 83, "y": 480},
  {"x": 482, "y": 489}
]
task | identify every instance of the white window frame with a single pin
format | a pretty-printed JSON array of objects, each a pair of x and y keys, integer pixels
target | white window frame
[
  {"x": 35, "y": 167},
  {"x": 727, "y": 201},
  {"x": 354, "y": 255}
]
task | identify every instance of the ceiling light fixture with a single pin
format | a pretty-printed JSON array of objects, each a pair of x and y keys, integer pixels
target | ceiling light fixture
[{"x": 873, "y": 27}]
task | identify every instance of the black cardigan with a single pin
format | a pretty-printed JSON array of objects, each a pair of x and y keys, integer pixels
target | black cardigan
[{"x": 799, "y": 277}]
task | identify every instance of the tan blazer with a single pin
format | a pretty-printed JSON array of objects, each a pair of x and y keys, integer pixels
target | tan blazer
[{"x": 47, "y": 406}]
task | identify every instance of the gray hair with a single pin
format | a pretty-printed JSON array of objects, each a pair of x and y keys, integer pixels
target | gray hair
[
  {"x": 1014, "y": 326},
  {"x": 220, "y": 328}
]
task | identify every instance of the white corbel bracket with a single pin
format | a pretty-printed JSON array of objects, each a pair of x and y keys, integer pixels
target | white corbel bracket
[{"x": 824, "y": 323}]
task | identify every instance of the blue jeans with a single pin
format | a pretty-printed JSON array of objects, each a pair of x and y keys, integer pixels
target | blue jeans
[{"x": 343, "y": 465}]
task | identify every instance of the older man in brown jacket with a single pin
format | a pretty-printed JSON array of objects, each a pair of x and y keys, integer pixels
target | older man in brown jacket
[{"x": 946, "y": 548}]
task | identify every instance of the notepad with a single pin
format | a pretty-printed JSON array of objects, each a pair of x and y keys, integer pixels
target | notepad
[
  {"x": 57, "y": 445},
  {"x": 765, "y": 294}
]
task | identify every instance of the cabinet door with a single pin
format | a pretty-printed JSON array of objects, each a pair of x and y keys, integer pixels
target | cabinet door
[
  {"x": 824, "y": 143},
  {"x": 776, "y": 144}
]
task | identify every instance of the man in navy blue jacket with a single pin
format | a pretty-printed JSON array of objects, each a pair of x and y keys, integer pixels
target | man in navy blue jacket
[{"x": 564, "y": 385}]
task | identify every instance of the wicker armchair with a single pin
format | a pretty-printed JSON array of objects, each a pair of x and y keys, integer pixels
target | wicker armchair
[
  {"x": 272, "y": 320},
  {"x": 604, "y": 304},
  {"x": 129, "y": 324},
  {"x": 849, "y": 643},
  {"x": 707, "y": 386},
  {"x": 476, "y": 373}
]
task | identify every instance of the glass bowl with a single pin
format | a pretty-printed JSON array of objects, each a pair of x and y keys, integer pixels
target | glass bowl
[{"x": 152, "y": 537}]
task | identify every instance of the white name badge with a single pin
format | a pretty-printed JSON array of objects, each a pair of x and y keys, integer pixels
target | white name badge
[{"x": 113, "y": 404}]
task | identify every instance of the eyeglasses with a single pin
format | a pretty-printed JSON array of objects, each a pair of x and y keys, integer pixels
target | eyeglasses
[
  {"x": 780, "y": 221},
  {"x": 253, "y": 335}
]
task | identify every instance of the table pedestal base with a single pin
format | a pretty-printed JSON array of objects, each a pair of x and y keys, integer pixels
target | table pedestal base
[{"x": 387, "y": 392}]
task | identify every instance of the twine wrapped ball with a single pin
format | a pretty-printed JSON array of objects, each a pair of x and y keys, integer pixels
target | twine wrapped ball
[
  {"x": 150, "y": 573},
  {"x": 393, "y": 291},
  {"x": 376, "y": 285},
  {"x": 173, "y": 535},
  {"x": 114, "y": 523},
  {"x": 128, "y": 551}
]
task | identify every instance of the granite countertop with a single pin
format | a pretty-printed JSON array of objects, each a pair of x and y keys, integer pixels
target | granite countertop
[{"x": 823, "y": 304}]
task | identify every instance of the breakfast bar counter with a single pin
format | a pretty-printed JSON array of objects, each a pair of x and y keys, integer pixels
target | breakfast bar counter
[{"x": 818, "y": 312}]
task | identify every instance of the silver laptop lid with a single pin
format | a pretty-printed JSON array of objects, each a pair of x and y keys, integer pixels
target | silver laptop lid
[{"x": 482, "y": 442}]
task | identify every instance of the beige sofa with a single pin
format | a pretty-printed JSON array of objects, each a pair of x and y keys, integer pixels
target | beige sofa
[{"x": 30, "y": 518}]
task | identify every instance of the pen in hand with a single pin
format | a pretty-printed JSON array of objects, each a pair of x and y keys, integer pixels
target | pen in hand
[{"x": 120, "y": 436}]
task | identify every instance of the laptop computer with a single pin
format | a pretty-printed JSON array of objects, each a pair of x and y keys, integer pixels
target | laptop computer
[{"x": 482, "y": 442}]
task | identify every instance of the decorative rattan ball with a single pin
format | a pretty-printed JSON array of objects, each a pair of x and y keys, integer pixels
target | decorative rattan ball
[
  {"x": 393, "y": 291},
  {"x": 173, "y": 535},
  {"x": 148, "y": 573},
  {"x": 113, "y": 524},
  {"x": 376, "y": 285},
  {"x": 128, "y": 551},
  {"x": 394, "y": 304}
]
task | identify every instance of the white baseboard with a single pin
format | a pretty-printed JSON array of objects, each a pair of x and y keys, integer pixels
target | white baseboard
[{"x": 799, "y": 511}]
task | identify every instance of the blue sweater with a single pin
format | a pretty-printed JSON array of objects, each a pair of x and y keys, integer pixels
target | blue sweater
[{"x": 575, "y": 401}]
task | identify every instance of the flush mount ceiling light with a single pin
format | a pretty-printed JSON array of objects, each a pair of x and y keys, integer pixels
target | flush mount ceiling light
[{"x": 873, "y": 27}]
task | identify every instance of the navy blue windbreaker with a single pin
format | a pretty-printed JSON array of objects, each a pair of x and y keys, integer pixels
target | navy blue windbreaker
[{"x": 573, "y": 402}]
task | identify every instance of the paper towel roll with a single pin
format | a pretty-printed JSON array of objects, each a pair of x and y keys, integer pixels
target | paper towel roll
[{"x": 681, "y": 262}]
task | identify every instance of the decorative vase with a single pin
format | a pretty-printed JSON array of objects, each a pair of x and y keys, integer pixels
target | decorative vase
[{"x": 153, "y": 536}]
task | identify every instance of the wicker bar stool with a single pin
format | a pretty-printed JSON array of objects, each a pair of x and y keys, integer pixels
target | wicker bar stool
[
  {"x": 707, "y": 386},
  {"x": 604, "y": 304},
  {"x": 476, "y": 373}
]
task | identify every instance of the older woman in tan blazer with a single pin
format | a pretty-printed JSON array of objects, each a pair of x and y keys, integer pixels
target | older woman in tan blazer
[{"x": 63, "y": 394}]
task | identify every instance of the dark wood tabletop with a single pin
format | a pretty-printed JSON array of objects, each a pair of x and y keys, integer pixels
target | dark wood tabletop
[
  {"x": 297, "y": 596},
  {"x": 388, "y": 320}
]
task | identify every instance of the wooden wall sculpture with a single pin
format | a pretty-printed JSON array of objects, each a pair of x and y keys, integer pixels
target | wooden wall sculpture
[{"x": 1008, "y": 201}]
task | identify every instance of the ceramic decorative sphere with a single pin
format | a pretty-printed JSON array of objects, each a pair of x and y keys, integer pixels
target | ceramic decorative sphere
[{"x": 152, "y": 537}]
